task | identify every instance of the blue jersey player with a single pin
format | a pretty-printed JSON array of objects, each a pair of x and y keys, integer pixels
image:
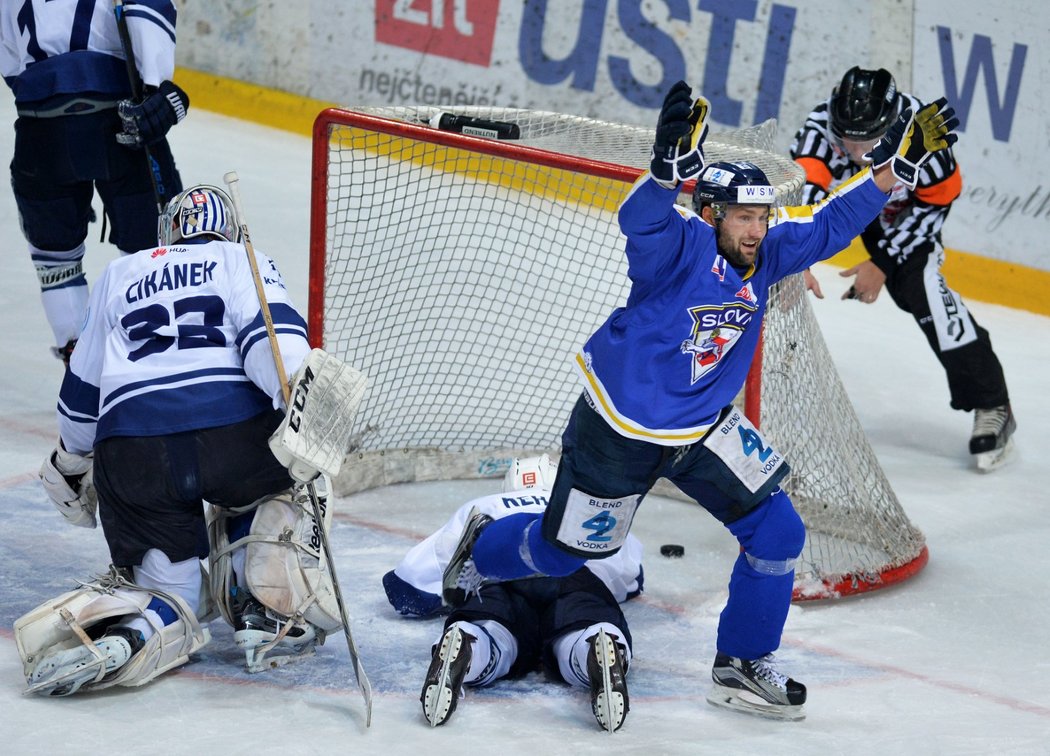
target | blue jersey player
[{"x": 660, "y": 375}]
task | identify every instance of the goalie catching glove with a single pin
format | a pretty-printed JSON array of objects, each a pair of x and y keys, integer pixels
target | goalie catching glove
[
  {"x": 314, "y": 436},
  {"x": 680, "y": 132},
  {"x": 911, "y": 140},
  {"x": 67, "y": 480}
]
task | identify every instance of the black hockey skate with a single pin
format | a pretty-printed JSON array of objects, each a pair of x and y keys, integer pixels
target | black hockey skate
[
  {"x": 756, "y": 687},
  {"x": 607, "y": 673},
  {"x": 64, "y": 672},
  {"x": 261, "y": 630},
  {"x": 992, "y": 437},
  {"x": 461, "y": 578},
  {"x": 444, "y": 682}
]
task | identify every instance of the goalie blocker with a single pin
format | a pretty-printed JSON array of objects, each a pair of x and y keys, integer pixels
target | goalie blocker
[{"x": 314, "y": 437}]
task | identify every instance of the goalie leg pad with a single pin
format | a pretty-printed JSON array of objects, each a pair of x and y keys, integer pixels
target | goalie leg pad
[
  {"x": 315, "y": 434},
  {"x": 64, "y": 623},
  {"x": 224, "y": 555},
  {"x": 285, "y": 567},
  {"x": 284, "y": 564}
]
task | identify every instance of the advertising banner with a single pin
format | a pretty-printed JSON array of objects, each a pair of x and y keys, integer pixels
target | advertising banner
[{"x": 615, "y": 59}]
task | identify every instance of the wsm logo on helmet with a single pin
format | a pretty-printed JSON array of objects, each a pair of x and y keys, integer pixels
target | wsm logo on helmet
[{"x": 758, "y": 195}]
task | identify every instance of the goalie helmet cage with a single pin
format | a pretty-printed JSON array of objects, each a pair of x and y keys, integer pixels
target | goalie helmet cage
[{"x": 461, "y": 274}]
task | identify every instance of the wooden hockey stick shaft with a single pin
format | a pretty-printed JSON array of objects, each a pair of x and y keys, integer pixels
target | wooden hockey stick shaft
[
  {"x": 152, "y": 166},
  {"x": 232, "y": 183}
]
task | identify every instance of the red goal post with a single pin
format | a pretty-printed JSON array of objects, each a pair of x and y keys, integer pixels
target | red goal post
[{"x": 447, "y": 267}]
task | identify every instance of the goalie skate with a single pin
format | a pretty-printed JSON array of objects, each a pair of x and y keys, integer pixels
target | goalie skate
[
  {"x": 756, "y": 687},
  {"x": 270, "y": 640},
  {"x": 605, "y": 668},
  {"x": 63, "y": 672},
  {"x": 461, "y": 578},
  {"x": 444, "y": 682}
]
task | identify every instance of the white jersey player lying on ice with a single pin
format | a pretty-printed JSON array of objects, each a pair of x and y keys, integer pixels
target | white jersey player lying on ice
[
  {"x": 571, "y": 626},
  {"x": 171, "y": 397}
]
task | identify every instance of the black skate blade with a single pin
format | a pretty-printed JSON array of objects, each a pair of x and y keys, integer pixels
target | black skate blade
[
  {"x": 439, "y": 698},
  {"x": 608, "y": 706}
]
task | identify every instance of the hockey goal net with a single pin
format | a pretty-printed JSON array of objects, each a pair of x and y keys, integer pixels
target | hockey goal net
[{"x": 461, "y": 274}]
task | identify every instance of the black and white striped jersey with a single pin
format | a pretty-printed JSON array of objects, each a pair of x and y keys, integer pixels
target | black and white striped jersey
[{"x": 912, "y": 219}]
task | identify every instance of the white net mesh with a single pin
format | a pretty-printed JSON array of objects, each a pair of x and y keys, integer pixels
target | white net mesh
[{"x": 462, "y": 275}]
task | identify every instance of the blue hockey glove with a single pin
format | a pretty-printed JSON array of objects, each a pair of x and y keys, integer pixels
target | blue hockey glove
[
  {"x": 148, "y": 121},
  {"x": 680, "y": 132},
  {"x": 910, "y": 141}
]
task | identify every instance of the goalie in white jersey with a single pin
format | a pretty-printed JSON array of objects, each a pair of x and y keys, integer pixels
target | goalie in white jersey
[
  {"x": 571, "y": 626},
  {"x": 170, "y": 399}
]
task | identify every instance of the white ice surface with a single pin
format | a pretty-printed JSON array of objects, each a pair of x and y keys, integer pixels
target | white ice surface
[{"x": 954, "y": 661}]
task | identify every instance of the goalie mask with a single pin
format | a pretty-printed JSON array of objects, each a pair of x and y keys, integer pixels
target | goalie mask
[
  {"x": 530, "y": 472},
  {"x": 202, "y": 211}
]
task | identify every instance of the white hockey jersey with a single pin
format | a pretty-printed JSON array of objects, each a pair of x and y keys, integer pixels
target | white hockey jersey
[
  {"x": 174, "y": 341},
  {"x": 53, "y": 47},
  {"x": 416, "y": 587}
]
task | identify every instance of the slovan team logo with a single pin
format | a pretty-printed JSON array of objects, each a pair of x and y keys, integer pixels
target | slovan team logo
[{"x": 715, "y": 329}]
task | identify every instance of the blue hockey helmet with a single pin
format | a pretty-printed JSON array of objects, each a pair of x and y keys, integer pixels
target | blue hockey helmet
[
  {"x": 201, "y": 211},
  {"x": 723, "y": 184},
  {"x": 864, "y": 105}
]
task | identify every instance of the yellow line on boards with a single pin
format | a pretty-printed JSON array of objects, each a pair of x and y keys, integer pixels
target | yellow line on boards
[
  {"x": 250, "y": 102},
  {"x": 979, "y": 278}
]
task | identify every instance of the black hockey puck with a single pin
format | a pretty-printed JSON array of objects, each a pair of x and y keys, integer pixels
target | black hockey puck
[{"x": 672, "y": 550}]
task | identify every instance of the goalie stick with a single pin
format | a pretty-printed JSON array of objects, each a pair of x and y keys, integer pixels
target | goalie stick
[{"x": 231, "y": 179}]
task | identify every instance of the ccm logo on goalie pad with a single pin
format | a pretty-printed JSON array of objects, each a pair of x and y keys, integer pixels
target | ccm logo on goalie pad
[
  {"x": 302, "y": 391},
  {"x": 591, "y": 525}
]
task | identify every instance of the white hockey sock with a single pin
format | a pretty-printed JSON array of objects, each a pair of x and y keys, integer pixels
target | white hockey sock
[
  {"x": 181, "y": 578},
  {"x": 145, "y": 623},
  {"x": 63, "y": 291},
  {"x": 492, "y": 654},
  {"x": 572, "y": 648},
  {"x": 156, "y": 571},
  {"x": 65, "y": 309}
]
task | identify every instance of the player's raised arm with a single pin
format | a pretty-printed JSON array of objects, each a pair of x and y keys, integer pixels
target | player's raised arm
[
  {"x": 680, "y": 132},
  {"x": 910, "y": 142}
]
